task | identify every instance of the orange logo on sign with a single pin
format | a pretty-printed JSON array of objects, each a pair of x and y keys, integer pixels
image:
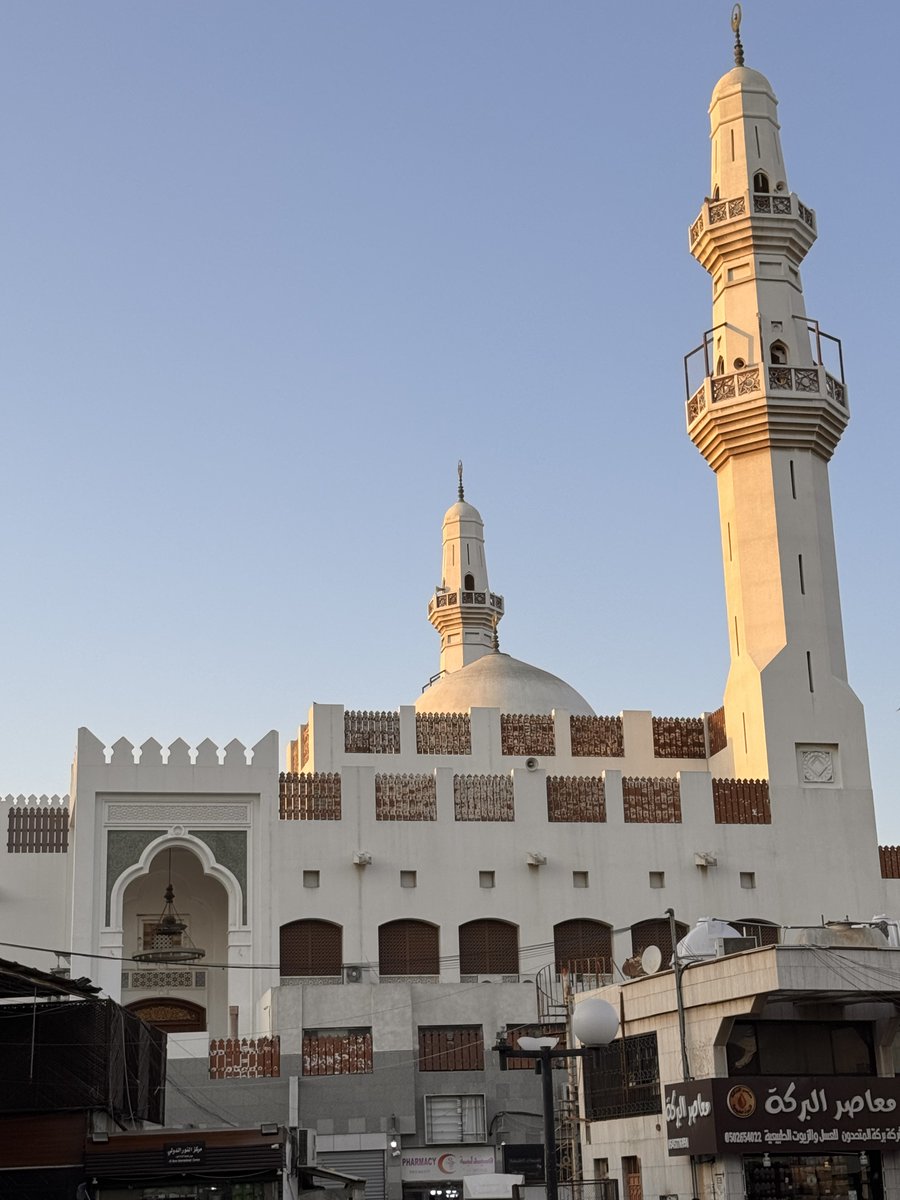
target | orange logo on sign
[{"x": 741, "y": 1101}]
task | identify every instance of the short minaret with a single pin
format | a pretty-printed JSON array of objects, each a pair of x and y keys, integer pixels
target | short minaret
[
  {"x": 767, "y": 417},
  {"x": 464, "y": 610}
]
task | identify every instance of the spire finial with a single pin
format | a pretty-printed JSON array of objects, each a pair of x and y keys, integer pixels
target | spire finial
[
  {"x": 736, "y": 26},
  {"x": 495, "y": 637},
  {"x": 460, "y": 492}
]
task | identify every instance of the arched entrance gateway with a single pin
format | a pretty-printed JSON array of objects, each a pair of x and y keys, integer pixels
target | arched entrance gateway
[{"x": 185, "y": 994}]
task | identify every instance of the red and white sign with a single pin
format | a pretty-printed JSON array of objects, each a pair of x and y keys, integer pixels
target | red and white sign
[{"x": 422, "y": 1164}]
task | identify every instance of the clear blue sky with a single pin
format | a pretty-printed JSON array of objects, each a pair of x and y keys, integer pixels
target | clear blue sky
[{"x": 270, "y": 269}]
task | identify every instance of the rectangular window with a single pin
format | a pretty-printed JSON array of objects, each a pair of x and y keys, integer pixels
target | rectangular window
[
  {"x": 802, "y": 580},
  {"x": 579, "y": 879},
  {"x": 748, "y": 879},
  {"x": 657, "y": 879},
  {"x": 407, "y": 879},
  {"x": 801, "y": 1048},
  {"x": 452, "y": 1120},
  {"x": 311, "y": 879},
  {"x": 337, "y": 1052},
  {"x": 486, "y": 879},
  {"x": 451, "y": 1048},
  {"x": 150, "y": 938},
  {"x": 622, "y": 1079}
]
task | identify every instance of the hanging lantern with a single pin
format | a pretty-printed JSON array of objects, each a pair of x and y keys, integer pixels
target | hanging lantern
[{"x": 171, "y": 942}]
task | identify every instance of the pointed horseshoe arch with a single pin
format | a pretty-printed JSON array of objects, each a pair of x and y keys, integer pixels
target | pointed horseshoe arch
[{"x": 200, "y": 850}]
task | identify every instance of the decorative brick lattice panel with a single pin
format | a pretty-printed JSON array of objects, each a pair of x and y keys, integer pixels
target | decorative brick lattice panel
[
  {"x": 656, "y": 932},
  {"x": 525, "y": 733},
  {"x": 678, "y": 737},
  {"x": 715, "y": 728},
  {"x": 154, "y": 980},
  {"x": 315, "y": 797},
  {"x": 652, "y": 801},
  {"x": 488, "y": 947},
  {"x": 312, "y": 948},
  {"x": 890, "y": 861},
  {"x": 343, "y": 1054},
  {"x": 575, "y": 798},
  {"x": 451, "y": 1048},
  {"x": 245, "y": 1058},
  {"x": 304, "y": 745},
  {"x": 582, "y": 946},
  {"x": 597, "y": 737},
  {"x": 408, "y": 947},
  {"x": 741, "y": 802},
  {"x": 546, "y": 1030},
  {"x": 405, "y": 798},
  {"x": 483, "y": 798},
  {"x": 372, "y": 732},
  {"x": 443, "y": 733},
  {"x": 765, "y": 932},
  {"x": 38, "y": 830}
]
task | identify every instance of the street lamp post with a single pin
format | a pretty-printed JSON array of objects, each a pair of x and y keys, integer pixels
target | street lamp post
[{"x": 594, "y": 1023}]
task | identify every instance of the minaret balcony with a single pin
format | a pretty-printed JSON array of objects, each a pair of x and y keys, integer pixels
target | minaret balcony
[
  {"x": 483, "y": 600},
  {"x": 752, "y": 220},
  {"x": 786, "y": 382}
]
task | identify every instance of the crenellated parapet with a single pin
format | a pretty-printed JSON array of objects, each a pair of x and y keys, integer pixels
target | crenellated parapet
[{"x": 92, "y": 752}]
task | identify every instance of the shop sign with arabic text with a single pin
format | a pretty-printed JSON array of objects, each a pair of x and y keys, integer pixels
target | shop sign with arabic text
[{"x": 734, "y": 1116}]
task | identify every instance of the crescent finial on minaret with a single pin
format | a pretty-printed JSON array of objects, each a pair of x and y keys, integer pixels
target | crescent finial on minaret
[
  {"x": 736, "y": 26},
  {"x": 460, "y": 492}
]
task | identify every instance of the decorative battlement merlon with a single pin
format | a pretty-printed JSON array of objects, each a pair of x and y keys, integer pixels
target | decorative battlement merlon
[{"x": 151, "y": 753}]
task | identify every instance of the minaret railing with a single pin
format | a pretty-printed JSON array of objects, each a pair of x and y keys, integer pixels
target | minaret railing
[{"x": 715, "y": 211}]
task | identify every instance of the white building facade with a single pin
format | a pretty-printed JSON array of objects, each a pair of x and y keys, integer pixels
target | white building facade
[{"x": 414, "y": 882}]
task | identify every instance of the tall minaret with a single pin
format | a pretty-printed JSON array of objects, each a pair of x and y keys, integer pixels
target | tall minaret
[
  {"x": 464, "y": 610},
  {"x": 767, "y": 418}
]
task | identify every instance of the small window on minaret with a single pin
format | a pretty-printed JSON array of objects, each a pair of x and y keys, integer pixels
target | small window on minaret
[
  {"x": 778, "y": 354},
  {"x": 469, "y": 583},
  {"x": 760, "y": 182},
  {"x": 720, "y": 365},
  {"x": 715, "y": 194}
]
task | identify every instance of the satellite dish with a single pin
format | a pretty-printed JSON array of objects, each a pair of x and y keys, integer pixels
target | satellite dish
[{"x": 651, "y": 960}]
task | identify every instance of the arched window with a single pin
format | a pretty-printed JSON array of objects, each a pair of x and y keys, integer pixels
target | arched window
[
  {"x": 720, "y": 365},
  {"x": 488, "y": 947},
  {"x": 778, "y": 354},
  {"x": 408, "y": 948},
  {"x": 655, "y": 932},
  {"x": 583, "y": 947},
  {"x": 760, "y": 182},
  {"x": 765, "y": 932},
  {"x": 715, "y": 194},
  {"x": 170, "y": 1014},
  {"x": 311, "y": 948},
  {"x": 469, "y": 583}
]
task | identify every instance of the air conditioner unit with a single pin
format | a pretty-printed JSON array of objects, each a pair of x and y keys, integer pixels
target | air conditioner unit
[
  {"x": 304, "y": 1144},
  {"x": 353, "y": 973},
  {"x": 734, "y": 945}
]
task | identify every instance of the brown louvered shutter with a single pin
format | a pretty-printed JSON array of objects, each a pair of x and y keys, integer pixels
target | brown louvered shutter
[
  {"x": 583, "y": 945},
  {"x": 408, "y": 948},
  {"x": 488, "y": 947},
  {"x": 311, "y": 948}
]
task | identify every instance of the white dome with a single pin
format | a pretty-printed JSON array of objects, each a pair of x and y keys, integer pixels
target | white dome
[
  {"x": 498, "y": 681},
  {"x": 743, "y": 79},
  {"x": 461, "y": 511}
]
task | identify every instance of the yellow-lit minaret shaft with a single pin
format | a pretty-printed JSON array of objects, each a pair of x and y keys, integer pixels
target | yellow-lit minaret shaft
[{"x": 767, "y": 417}]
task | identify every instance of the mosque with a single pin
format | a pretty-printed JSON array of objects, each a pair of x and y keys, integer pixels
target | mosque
[{"x": 406, "y": 886}]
